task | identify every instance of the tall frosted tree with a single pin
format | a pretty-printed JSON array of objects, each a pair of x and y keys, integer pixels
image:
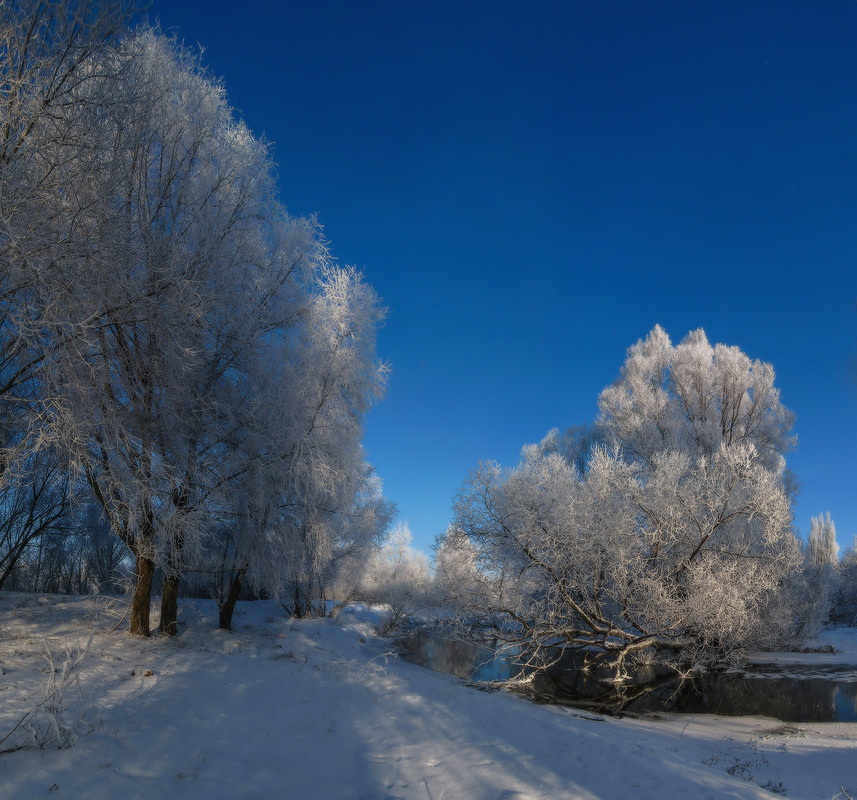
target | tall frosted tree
[
  {"x": 669, "y": 529},
  {"x": 303, "y": 498},
  {"x": 823, "y": 548},
  {"x": 694, "y": 397},
  {"x": 821, "y": 572},
  {"x": 161, "y": 219},
  {"x": 845, "y": 599},
  {"x": 209, "y": 366},
  {"x": 48, "y": 58}
]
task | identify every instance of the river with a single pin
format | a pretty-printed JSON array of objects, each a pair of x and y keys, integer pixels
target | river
[{"x": 794, "y": 693}]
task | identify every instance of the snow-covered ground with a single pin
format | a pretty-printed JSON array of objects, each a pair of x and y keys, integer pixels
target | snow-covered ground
[
  {"x": 283, "y": 708},
  {"x": 842, "y": 639}
]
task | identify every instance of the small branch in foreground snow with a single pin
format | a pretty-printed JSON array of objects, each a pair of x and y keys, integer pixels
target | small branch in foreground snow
[
  {"x": 372, "y": 669},
  {"x": 47, "y": 723}
]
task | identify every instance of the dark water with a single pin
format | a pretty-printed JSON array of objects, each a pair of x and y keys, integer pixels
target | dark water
[{"x": 791, "y": 694}]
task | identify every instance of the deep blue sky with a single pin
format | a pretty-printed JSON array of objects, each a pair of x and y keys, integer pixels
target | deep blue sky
[{"x": 531, "y": 187}]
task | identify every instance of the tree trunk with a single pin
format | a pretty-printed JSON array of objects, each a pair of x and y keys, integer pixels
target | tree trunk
[
  {"x": 141, "y": 602},
  {"x": 170, "y": 594},
  {"x": 11, "y": 563},
  {"x": 228, "y": 607},
  {"x": 298, "y": 611},
  {"x": 170, "y": 606}
]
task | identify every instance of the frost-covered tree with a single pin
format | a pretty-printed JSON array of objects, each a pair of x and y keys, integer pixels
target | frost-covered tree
[
  {"x": 34, "y": 502},
  {"x": 820, "y": 573},
  {"x": 694, "y": 398},
  {"x": 49, "y": 52},
  {"x": 845, "y": 599},
  {"x": 187, "y": 343},
  {"x": 361, "y": 528},
  {"x": 216, "y": 357},
  {"x": 304, "y": 500},
  {"x": 823, "y": 548},
  {"x": 398, "y": 577},
  {"x": 455, "y": 570},
  {"x": 677, "y": 533},
  {"x": 170, "y": 213}
]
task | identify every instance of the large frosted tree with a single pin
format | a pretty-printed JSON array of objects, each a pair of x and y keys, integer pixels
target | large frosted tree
[
  {"x": 676, "y": 534},
  {"x": 48, "y": 58},
  {"x": 694, "y": 397},
  {"x": 303, "y": 499},
  {"x": 164, "y": 219},
  {"x": 200, "y": 359}
]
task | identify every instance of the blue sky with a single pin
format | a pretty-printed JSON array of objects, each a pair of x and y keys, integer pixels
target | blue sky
[{"x": 532, "y": 187}]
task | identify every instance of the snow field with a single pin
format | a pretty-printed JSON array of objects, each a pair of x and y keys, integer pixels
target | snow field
[{"x": 283, "y": 708}]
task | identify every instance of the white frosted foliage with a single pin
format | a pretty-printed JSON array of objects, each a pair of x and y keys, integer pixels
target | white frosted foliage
[{"x": 668, "y": 526}]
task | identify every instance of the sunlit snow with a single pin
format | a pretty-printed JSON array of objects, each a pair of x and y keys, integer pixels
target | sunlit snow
[{"x": 321, "y": 709}]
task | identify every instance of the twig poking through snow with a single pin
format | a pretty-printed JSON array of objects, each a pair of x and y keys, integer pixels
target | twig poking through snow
[{"x": 47, "y": 723}]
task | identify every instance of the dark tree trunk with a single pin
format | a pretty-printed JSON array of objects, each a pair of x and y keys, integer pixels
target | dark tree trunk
[
  {"x": 227, "y": 608},
  {"x": 298, "y": 612},
  {"x": 141, "y": 602},
  {"x": 170, "y": 606},
  {"x": 11, "y": 563},
  {"x": 170, "y": 594}
]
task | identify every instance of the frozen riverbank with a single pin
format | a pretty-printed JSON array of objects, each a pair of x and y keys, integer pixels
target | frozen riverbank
[{"x": 318, "y": 708}]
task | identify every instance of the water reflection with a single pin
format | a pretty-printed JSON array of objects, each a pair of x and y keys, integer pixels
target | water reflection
[
  {"x": 788, "y": 698},
  {"x": 798, "y": 694},
  {"x": 791, "y": 698},
  {"x": 468, "y": 660}
]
